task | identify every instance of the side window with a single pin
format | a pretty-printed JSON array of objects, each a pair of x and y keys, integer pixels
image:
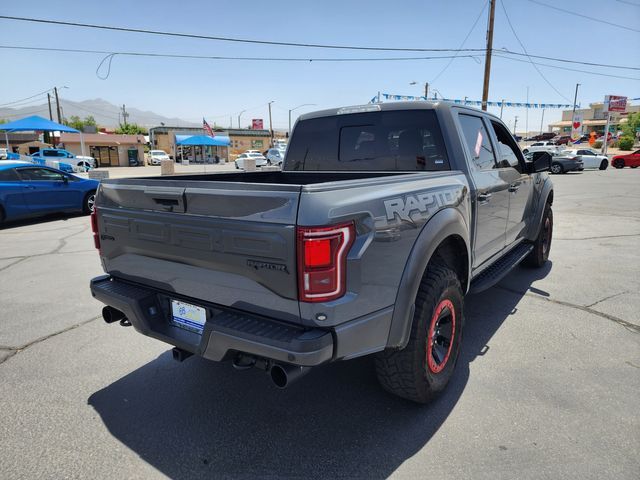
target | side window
[
  {"x": 508, "y": 151},
  {"x": 477, "y": 140},
  {"x": 9, "y": 175},
  {"x": 42, "y": 174},
  {"x": 49, "y": 153}
]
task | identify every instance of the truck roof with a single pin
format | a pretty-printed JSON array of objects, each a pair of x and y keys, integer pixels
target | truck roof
[{"x": 377, "y": 107}]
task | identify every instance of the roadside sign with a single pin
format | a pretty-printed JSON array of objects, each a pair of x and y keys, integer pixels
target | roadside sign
[
  {"x": 576, "y": 127},
  {"x": 257, "y": 124},
  {"x": 615, "y": 103}
]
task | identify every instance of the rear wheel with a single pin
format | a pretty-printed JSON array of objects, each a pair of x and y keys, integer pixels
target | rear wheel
[
  {"x": 634, "y": 166},
  {"x": 604, "y": 164},
  {"x": 619, "y": 163},
  {"x": 556, "y": 168},
  {"x": 542, "y": 244},
  {"x": 89, "y": 202},
  {"x": 421, "y": 370}
]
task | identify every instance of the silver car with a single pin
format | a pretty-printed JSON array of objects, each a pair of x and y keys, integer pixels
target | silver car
[
  {"x": 261, "y": 161},
  {"x": 275, "y": 156}
]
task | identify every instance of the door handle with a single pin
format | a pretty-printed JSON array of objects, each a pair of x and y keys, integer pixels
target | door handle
[
  {"x": 514, "y": 187},
  {"x": 484, "y": 197}
]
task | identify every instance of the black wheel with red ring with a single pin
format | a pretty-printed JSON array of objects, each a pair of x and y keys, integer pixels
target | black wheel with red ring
[{"x": 422, "y": 369}]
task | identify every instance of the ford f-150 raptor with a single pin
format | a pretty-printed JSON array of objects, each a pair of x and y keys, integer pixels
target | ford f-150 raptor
[{"x": 383, "y": 217}]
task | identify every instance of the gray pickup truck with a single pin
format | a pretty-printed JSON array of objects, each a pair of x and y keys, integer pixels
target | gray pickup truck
[{"x": 382, "y": 219}]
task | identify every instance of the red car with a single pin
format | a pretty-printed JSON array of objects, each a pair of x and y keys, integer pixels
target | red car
[{"x": 629, "y": 160}]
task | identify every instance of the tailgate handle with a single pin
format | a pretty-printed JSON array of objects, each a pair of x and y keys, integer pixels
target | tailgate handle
[
  {"x": 168, "y": 199},
  {"x": 167, "y": 203}
]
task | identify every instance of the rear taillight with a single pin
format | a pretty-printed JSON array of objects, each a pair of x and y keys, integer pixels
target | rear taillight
[
  {"x": 94, "y": 228},
  {"x": 322, "y": 261}
]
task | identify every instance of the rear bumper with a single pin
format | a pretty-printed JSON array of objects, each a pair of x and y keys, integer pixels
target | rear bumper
[{"x": 226, "y": 331}]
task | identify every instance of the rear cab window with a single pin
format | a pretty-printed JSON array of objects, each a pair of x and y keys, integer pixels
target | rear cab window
[{"x": 388, "y": 140}]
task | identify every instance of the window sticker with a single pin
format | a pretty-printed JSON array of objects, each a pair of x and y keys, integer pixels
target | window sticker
[{"x": 478, "y": 144}]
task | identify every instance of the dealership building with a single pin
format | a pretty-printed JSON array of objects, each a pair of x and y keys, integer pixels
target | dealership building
[{"x": 594, "y": 119}]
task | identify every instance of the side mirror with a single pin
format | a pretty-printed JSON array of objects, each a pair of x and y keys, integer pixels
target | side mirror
[{"x": 541, "y": 162}]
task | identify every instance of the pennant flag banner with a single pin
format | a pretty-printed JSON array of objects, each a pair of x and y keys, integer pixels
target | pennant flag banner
[{"x": 475, "y": 103}]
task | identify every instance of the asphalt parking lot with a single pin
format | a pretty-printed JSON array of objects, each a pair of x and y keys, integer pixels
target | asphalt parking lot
[{"x": 547, "y": 385}]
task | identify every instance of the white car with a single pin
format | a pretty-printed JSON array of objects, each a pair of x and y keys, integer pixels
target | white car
[
  {"x": 541, "y": 147},
  {"x": 589, "y": 158},
  {"x": 275, "y": 156},
  {"x": 3, "y": 153},
  {"x": 258, "y": 157},
  {"x": 156, "y": 156}
]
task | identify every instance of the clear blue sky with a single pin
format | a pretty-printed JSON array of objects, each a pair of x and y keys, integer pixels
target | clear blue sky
[{"x": 191, "y": 89}]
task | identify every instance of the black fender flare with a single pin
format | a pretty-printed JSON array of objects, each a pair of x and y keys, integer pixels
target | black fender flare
[
  {"x": 445, "y": 223},
  {"x": 546, "y": 196}
]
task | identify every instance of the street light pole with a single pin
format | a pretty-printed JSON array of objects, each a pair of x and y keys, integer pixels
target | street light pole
[
  {"x": 501, "y": 107},
  {"x": 239, "y": 115},
  {"x": 270, "y": 125},
  {"x": 515, "y": 124},
  {"x": 295, "y": 108}
]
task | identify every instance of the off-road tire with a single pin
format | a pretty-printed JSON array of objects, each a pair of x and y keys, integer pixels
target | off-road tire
[
  {"x": 407, "y": 373},
  {"x": 88, "y": 202},
  {"x": 604, "y": 164},
  {"x": 542, "y": 244}
]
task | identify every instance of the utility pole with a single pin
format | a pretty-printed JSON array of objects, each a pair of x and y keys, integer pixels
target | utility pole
[
  {"x": 501, "y": 107},
  {"x": 239, "y": 115},
  {"x": 124, "y": 115},
  {"x": 542, "y": 122},
  {"x": 426, "y": 91},
  {"x": 487, "y": 58},
  {"x": 270, "y": 125},
  {"x": 55, "y": 92},
  {"x": 49, "y": 101},
  {"x": 515, "y": 123}
]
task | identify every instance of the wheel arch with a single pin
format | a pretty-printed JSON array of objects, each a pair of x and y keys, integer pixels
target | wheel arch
[
  {"x": 545, "y": 197},
  {"x": 445, "y": 237}
]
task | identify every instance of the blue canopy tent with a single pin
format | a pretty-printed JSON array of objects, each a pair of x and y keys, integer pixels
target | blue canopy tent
[
  {"x": 37, "y": 124},
  {"x": 202, "y": 141}
]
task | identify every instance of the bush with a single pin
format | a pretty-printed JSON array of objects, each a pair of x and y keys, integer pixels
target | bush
[
  {"x": 626, "y": 143},
  {"x": 597, "y": 144}
]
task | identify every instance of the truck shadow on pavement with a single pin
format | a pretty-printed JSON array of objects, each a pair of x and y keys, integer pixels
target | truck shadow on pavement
[{"x": 202, "y": 419}]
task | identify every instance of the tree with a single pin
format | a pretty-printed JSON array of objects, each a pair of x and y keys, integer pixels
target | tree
[
  {"x": 633, "y": 123},
  {"x": 75, "y": 122},
  {"x": 131, "y": 129}
]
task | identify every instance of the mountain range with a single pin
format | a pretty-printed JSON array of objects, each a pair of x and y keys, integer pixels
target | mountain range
[{"x": 105, "y": 113}]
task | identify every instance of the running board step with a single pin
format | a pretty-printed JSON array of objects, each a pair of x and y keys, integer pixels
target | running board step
[{"x": 500, "y": 268}]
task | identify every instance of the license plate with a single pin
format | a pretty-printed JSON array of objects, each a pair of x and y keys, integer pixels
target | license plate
[{"x": 187, "y": 316}]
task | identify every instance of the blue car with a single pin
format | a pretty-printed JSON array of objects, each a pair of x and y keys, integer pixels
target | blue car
[{"x": 28, "y": 190}]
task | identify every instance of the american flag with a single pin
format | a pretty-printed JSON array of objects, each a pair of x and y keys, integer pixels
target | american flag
[{"x": 207, "y": 128}]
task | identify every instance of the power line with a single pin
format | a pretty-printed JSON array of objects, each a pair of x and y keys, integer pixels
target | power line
[
  {"x": 564, "y": 60},
  {"x": 497, "y": 53},
  {"x": 290, "y": 44},
  {"x": 513, "y": 30},
  {"x": 228, "y": 39},
  {"x": 220, "y": 57},
  {"x": 26, "y": 98},
  {"x": 325, "y": 59},
  {"x": 553, "y": 7},
  {"x": 461, "y": 45}
]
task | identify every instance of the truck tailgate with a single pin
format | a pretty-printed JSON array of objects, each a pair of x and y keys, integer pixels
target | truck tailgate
[{"x": 231, "y": 244}]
